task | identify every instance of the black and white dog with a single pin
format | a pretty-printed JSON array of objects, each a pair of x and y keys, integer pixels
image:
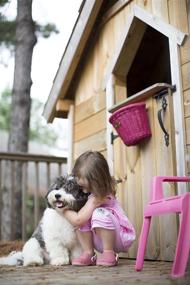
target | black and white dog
[{"x": 54, "y": 241}]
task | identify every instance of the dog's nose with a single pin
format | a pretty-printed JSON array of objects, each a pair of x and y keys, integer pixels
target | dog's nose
[{"x": 57, "y": 196}]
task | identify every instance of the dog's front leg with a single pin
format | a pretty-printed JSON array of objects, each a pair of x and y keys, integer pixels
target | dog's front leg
[{"x": 58, "y": 254}]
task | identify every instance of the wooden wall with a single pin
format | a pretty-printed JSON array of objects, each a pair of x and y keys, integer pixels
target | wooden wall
[
  {"x": 90, "y": 124},
  {"x": 185, "y": 68},
  {"x": 90, "y": 102},
  {"x": 90, "y": 97}
]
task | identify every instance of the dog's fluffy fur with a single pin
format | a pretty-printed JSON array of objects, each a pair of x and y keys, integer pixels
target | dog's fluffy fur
[{"x": 54, "y": 241}]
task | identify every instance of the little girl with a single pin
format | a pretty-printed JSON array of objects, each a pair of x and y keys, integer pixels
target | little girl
[{"x": 102, "y": 224}]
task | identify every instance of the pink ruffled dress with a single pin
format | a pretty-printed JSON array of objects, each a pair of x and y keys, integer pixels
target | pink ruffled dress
[{"x": 111, "y": 216}]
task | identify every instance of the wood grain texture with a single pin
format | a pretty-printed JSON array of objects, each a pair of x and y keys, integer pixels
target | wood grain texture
[{"x": 90, "y": 126}]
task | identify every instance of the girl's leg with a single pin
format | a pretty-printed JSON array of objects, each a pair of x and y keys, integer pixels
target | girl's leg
[
  {"x": 85, "y": 240},
  {"x": 87, "y": 257},
  {"x": 108, "y": 257},
  {"x": 106, "y": 231},
  {"x": 107, "y": 237}
]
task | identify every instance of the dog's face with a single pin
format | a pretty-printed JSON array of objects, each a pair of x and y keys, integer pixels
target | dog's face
[{"x": 65, "y": 192}]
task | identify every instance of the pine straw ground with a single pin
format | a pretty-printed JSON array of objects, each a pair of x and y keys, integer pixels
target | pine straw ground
[
  {"x": 153, "y": 273},
  {"x": 7, "y": 246}
]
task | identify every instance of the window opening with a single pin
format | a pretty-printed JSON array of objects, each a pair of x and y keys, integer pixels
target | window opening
[{"x": 151, "y": 64}]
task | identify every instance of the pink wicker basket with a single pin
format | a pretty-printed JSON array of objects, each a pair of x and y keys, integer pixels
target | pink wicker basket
[{"x": 131, "y": 123}]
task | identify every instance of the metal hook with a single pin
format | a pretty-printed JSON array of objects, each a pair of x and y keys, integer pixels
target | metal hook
[
  {"x": 164, "y": 106},
  {"x": 113, "y": 137}
]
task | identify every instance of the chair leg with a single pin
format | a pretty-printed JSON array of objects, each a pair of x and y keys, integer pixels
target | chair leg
[
  {"x": 183, "y": 246},
  {"x": 142, "y": 243}
]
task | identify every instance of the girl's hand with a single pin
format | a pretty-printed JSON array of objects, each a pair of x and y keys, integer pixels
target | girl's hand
[{"x": 85, "y": 213}]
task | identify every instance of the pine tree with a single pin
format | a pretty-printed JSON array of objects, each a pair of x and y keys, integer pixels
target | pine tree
[{"x": 21, "y": 35}]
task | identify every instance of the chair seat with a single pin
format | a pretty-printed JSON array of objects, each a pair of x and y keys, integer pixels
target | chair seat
[{"x": 164, "y": 206}]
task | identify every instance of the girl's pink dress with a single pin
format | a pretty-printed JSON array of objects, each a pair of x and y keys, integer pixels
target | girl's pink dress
[{"x": 111, "y": 216}]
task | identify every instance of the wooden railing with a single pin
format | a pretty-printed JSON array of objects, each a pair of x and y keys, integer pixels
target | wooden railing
[{"x": 38, "y": 172}]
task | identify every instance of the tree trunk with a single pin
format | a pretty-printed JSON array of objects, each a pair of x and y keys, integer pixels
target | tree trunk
[{"x": 20, "y": 118}]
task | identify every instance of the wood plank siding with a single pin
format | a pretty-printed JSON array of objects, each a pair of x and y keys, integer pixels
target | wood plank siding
[
  {"x": 185, "y": 68},
  {"x": 90, "y": 125},
  {"x": 90, "y": 115}
]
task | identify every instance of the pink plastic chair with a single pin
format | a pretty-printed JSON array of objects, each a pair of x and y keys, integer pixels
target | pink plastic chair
[{"x": 159, "y": 205}]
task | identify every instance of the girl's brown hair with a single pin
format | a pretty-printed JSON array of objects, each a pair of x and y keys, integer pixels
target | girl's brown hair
[{"x": 93, "y": 166}]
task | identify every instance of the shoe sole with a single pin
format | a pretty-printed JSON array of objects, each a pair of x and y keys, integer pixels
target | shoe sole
[
  {"x": 106, "y": 264},
  {"x": 77, "y": 264}
]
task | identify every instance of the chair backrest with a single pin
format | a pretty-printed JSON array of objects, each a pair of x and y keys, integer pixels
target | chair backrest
[{"x": 157, "y": 185}]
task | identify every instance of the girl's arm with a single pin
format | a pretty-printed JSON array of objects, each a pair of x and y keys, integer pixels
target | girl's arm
[{"x": 81, "y": 217}]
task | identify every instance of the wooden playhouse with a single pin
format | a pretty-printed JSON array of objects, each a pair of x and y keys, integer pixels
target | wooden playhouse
[{"x": 123, "y": 52}]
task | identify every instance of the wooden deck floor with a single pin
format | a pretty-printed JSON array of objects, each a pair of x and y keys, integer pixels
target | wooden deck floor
[{"x": 153, "y": 273}]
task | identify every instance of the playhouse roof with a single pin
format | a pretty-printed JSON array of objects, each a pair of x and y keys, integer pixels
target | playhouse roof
[{"x": 74, "y": 50}]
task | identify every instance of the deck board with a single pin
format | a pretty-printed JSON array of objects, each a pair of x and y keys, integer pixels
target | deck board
[{"x": 153, "y": 273}]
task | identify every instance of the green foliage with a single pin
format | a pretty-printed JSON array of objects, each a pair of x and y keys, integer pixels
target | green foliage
[
  {"x": 3, "y": 2},
  {"x": 8, "y": 29},
  {"x": 5, "y": 103},
  {"x": 46, "y": 30},
  {"x": 7, "y": 33},
  {"x": 39, "y": 130}
]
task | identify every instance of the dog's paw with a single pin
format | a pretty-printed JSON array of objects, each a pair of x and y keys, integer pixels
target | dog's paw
[
  {"x": 37, "y": 261},
  {"x": 60, "y": 261}
]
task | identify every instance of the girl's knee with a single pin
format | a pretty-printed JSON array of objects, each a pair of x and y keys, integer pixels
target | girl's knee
[
  {"x": 102, "y": 218},
  {"x": 100, "y": 213}
]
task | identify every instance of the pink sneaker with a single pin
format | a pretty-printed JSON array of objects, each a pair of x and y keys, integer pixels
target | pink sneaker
[
  {"x": 84, "y": 260},
  {"x": 107, "y": 258}
]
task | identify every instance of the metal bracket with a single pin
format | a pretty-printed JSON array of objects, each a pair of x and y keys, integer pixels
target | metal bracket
[
  {"x": 113, "y": 137},
  {"x": 162, "y": 95},
  {"x": 164, "y": 92},
  {"x": 160, "y": 120}
]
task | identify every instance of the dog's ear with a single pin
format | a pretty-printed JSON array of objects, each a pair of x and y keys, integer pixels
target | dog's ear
[
  {"x": 71, "y": 178},
  {"x": 81, "y": 199},
  {"x": 58, "y": 183},
  {"x": 71, "y": 184}
]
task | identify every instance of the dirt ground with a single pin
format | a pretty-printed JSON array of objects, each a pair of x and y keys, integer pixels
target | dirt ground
[{"x": 153, "y": 273}]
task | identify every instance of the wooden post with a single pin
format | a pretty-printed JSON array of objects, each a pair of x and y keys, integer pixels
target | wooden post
[
  {"x": 70, "y": 139},
  {"x": 110, "y": 93},
  {"x": 178, "y": 121}
]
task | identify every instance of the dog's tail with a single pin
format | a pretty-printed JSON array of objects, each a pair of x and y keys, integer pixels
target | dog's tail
[{"x": 14, "y": 258}]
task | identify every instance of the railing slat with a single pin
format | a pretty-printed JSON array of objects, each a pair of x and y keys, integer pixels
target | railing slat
[
  {"x": 59, "y": 169},
  {"x": 36, "y": 196},
  {"x": 48, "y": 174},
  {"x": 24, "y": 198},
  {"x": 12, "y": 198}
]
